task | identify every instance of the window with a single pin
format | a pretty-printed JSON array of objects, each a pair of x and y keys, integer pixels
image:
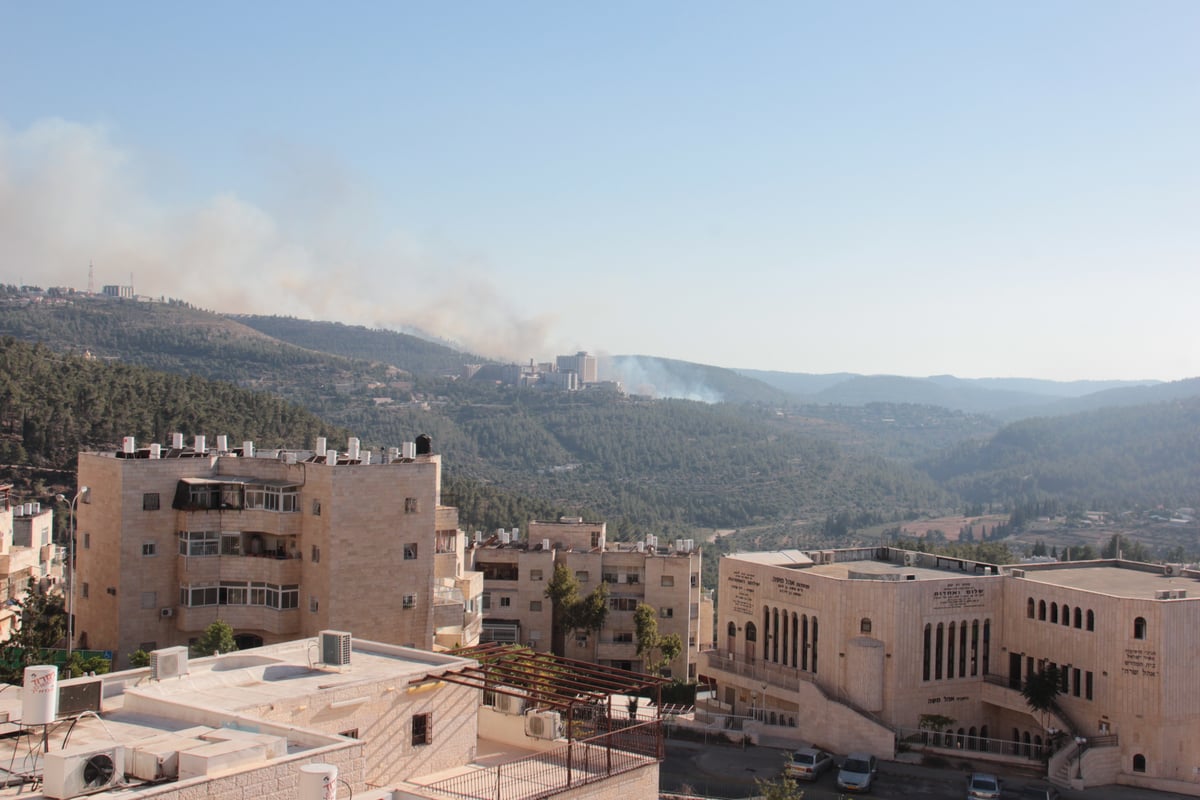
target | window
[
  {"x": 1054, "y": 612},
  {"x": 496, "y": 570},
  {"x": 695, "y": 581},
  {"x": 150, "y": 501},
  {"x": 622, "y": 603},
  {"x": 666, "y": 612},
  {"x": 199, "y": 543},
  {"x": 668, "y": 580},
  {"x": 231, "y": 544},
  {"x": 535, "y": 605},
  {"x": 1088, "y": 684},
  {"x": 149, "y": 599},
  {"x": 422, "y": 729},
  {"x": 410, "y": 551},
  {"x": 445, "y": 541},
  {"x": 1139, "y": 628},
  {"x": 149, "y": 549},
  {"x": 316, "y": 507},
  {"x": 535, "y": 574},
  {"x": 486, "y": 597},
  {"x": 258, "y": 593},
  {"x": 410, "y": 505},
  {"x": 505, "y": 601},
  {"x": 610, "y": 577},
  {"x": 315, "y": 555},
  {"x": 623, "y": 637},
  {"x": 1091, "y": 620},
  {"x": 595, "y": 538},
  {"x": 199, "y": 595},
  {"x": 1029, "y": 607},
  {"x": 1042, "y": 610},
  {"x": 87, "y": 541},
  {"x": 410, "y": 601},
  {"x": 313, "y": 603},
  {"x": 632, "y": 577},
  {"x": 864, "y": 625},
  {"x": 289, "y": 596},
  {"x": 1139, "y": 763},
  {"x": 83, "y": 589},
  {"x": 233, "y": 593},
  {"x": 582, "y": 576}
]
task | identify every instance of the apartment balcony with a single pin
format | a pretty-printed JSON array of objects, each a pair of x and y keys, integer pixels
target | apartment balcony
[
  {"x": 261, "y": 569},
  {"x": 276, "y": 523},
  {"x": 240, "y": 618}
]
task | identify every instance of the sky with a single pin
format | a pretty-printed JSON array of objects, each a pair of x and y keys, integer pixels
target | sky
[{"x": 918, "y": 188}]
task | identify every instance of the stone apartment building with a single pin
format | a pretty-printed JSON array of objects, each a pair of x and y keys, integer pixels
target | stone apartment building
[
  {"x": 665, "y": 577},
  {"x": 27, "y": 550},
  {"x": 878, "y": 642},
  {"x": 280, "y": 544}
]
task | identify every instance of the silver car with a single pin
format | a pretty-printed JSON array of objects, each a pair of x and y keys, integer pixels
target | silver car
[
  {"x": 982, "y": 786},
  {"x": 857, "y": 772}
]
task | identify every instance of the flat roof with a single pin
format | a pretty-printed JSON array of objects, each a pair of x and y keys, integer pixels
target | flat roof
[{"x": 1110, "y": 579}]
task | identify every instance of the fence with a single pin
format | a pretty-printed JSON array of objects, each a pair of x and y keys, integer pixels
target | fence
[
  {"x": 575, "y": 764},
  {"x": 965, "y": 742}
]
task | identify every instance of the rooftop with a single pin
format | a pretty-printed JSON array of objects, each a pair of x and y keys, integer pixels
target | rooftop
[{"x": 1118, "y": 579}]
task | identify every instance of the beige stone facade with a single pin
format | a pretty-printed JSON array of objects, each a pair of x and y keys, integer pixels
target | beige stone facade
[
  {"x": 278, "y": 544},
  {"x": 27, "y": 551},
  {"x": 666, "y": 577},
  {"x": 880, "y": 641}
]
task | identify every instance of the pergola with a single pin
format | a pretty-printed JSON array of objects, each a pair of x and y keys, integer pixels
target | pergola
[{"x": 545, "y": 680}]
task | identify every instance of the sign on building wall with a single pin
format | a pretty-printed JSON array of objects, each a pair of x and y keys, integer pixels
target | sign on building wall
[
  {"x": 954, "y": 596},
  {"x": 743, "y": 588}
]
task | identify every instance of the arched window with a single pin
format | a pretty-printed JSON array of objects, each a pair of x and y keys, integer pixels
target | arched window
[
  {"x": 928, "y": 651},
  {"x": 1029, "y": 606},
  {"x": 1054, "y": 613},
  {"x": 1042, "y": 610},
  {"x": 1066, "y": 615},
  {"x": 766, "y": 633},
  {"x": 1139, "y": 628},
  {"x": 1078, "y": 617},
  {"x": 939, "y": 651},
  {"x": 731, "y": 630},
  {"x": 751, "y": 632},
  {"x": 1139, "y": 763},
  {"x": 1091, "y": 620},
  {"x": 864, "y": 625}
]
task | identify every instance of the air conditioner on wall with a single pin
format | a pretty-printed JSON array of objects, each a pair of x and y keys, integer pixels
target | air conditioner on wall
[
  {"x": 71, "y": 773},
  {"x": 509, "y": 704},
  {"x": 166, "y": 612},
  {"x": 543, "y": 724}
]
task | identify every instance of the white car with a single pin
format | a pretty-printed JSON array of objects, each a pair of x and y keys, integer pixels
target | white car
[{"x": 808, "y": 764}]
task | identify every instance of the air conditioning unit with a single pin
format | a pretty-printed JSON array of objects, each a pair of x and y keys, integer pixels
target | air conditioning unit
[
  {"x": 543, "y": 725},
  {"x": 166, "y": 612},
  {"x": 71, "y": 773},
  {"x": 335, "y": 648},
  {"x": 169, "y": 662},
  {"x": 509, "y": 704},
  {"x": 910, "y": 559},
  {"x": 1171, "y": 570}
]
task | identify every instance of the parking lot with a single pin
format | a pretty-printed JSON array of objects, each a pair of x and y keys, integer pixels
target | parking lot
[{"x": 730, "y": 771}]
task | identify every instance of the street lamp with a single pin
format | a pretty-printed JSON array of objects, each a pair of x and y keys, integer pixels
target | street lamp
[{"x": 69, "y": 574}]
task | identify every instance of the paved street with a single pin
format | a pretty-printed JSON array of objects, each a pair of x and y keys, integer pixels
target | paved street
[{"x": 720, "y": 770}]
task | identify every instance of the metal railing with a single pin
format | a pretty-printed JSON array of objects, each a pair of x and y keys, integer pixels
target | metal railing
[
  {"x": 949, "y": 741},
  {"x": 578, "y": 763}
]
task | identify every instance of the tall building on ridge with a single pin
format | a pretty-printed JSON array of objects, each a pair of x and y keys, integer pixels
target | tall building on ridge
[
  {"x": 666, "y": 577},
  {"x": 582, "y": 364},
  {"x": 278, "y": 543}
]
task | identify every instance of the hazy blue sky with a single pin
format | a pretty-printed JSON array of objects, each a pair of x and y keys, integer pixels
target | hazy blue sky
[{"x": 1005, "y": 189}]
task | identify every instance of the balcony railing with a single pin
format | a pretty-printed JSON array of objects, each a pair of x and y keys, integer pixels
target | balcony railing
[{"x": 562, "y": 769}]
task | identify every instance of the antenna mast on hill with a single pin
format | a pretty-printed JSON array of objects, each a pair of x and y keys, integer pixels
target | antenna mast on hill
[{"x": 91, "y": 278}]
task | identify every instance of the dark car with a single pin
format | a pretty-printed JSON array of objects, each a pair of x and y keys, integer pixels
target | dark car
[{"x": 808, "y": 764}]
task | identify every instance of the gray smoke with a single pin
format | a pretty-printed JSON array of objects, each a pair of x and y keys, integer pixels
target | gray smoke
[{"x": 69, "y": 196}]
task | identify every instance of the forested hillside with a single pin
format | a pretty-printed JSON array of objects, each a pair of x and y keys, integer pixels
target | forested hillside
[
  {"x": 1115, "y": 459},
  {"x": 412, "y": 354},
  {"x": 174, "y": 337},
  {"x": 52, "y": 405}
]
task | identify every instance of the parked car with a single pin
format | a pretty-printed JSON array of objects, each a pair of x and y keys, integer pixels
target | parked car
[
  {"x": 808, "y": 764},
  {"x": 857, "y": 772},
  {"x": 1039, "y": 791},
  {"x": 982, "y": 786}
]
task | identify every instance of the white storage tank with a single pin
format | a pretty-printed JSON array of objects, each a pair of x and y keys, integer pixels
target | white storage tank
[{"x": 39, "y": 695}]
